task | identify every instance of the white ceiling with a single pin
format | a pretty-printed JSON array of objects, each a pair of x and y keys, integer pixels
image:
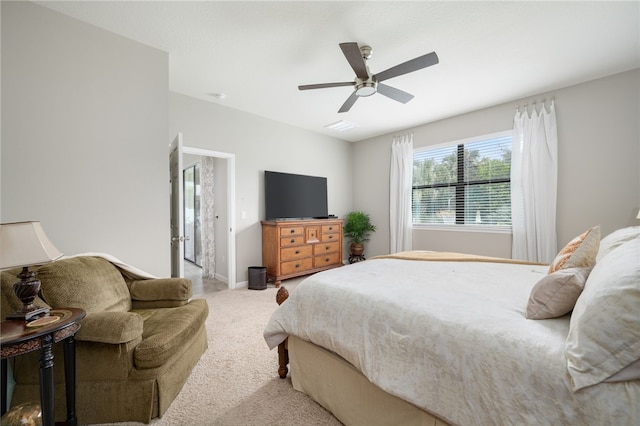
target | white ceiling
[{"x": 257, "y": 53}]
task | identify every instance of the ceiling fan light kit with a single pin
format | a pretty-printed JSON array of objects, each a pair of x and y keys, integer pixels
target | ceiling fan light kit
[
  {"x": 365, "y": 88},
  {"x": 367, "y": 84}
]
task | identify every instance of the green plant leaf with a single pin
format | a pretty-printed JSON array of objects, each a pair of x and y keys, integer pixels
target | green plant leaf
[{"x": 358, "y": 226}]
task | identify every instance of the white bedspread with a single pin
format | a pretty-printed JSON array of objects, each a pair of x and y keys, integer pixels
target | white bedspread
[{"x": 451, "y": 338}]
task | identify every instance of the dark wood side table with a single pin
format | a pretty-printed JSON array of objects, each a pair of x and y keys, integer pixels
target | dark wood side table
[{"x": 18, "y": 337}]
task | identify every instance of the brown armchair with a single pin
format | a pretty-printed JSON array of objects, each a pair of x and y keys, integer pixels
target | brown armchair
[{"x": 136, "y": 346}]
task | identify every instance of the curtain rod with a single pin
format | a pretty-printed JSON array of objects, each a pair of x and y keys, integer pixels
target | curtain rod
[{"x": 534, "y": 103}]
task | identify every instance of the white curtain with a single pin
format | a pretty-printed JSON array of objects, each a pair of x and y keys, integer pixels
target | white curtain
[
  {"x": 400, "y": 193},
  {"x": 534, "y": 181},
  {"x": 208, "y": 218}
]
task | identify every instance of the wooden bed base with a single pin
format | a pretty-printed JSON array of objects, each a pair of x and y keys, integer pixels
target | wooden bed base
[
  {"x": 341, "y": 389},
  {"x": 283, "y": 350}
]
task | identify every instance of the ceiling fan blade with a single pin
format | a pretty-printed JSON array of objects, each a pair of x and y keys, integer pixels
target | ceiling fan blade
[
  {"x": 325, "y": 85},
  {"x": 346, "y": 106},
  {"x": 406, "y": 67},
  {"x": 354, "y": 57},
  {"x": 395, "y": 94}
]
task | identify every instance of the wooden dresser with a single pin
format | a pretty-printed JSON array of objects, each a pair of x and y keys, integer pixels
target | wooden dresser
[{"x": 299, "y": 247}]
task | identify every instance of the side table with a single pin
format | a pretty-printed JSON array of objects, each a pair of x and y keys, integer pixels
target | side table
[{"x": 18, "y": 337}]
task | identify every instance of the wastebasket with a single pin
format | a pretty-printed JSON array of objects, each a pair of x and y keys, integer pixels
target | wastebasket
[{"x": 257, "y": 278}]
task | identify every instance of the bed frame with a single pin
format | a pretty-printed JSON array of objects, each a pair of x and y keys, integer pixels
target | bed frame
[{"x": 340, "y": 388}]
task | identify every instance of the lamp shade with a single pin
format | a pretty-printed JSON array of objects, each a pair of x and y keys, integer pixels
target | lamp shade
[{"x": 25, "y": 244}]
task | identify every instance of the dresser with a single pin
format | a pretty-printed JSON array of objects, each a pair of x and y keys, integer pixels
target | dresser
[{"x": 293, "y": 248}]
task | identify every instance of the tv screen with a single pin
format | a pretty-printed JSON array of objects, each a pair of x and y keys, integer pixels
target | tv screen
[{"x": 290, "y": 196}]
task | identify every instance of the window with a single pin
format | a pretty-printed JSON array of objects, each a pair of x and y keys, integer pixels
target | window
[{"x": 464, "y": 183}]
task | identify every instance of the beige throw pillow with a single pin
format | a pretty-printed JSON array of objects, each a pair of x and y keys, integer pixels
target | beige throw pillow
[
  {"x": 579, "y": 252},
  {"x": 556, "y": 294}
]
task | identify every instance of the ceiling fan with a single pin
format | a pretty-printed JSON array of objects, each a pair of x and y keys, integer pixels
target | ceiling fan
[{"x": 366, "y": 84}]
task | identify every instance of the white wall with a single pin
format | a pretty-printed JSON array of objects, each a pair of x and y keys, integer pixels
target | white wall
[
  {"x": 599, "y": 164},
  {"x": 260, "y": 144},
  {"x": 84, "y": 136}
]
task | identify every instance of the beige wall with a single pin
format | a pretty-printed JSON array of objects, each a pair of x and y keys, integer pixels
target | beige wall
[
  {"x": 258, "y": 145},
  {"x": 598, "y": 154},
  {"x": 84, "y": 136}
]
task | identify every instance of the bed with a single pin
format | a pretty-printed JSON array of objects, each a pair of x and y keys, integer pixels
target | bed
[{"x": 447, "y": 338}]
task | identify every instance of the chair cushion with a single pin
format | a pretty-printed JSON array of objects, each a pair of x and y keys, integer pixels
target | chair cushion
[
  {"x": 167, "y": 331},
  {"x": 90, "y": 283}
]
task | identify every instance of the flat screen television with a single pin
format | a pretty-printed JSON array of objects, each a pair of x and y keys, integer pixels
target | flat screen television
[{"x": 291, "y": 196}]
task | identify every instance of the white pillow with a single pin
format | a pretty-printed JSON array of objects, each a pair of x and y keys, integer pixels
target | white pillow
[
  {"x": 615, "y": 239},
  {"x": 604, "y": 330}
]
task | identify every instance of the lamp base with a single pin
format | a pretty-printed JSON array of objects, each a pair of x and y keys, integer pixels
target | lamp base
[
  {"x": 26, "y": 290},
  {"x": 28, "y": 316}
]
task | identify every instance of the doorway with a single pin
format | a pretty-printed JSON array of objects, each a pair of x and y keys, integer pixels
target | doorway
[{"x": 224, "y": 214}]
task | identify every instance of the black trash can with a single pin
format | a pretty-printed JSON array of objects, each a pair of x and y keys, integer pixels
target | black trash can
[{"x": 257, "y": 278}]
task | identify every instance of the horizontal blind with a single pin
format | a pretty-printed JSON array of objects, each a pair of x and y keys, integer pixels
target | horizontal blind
[{"x": 465, "y": 183}]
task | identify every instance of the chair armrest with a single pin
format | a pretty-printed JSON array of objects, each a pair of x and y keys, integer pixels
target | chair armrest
[
  {"x": 160, "y": 293},
  {"x": 161, "y": 289},
  {"x": 110, "y": 327}
]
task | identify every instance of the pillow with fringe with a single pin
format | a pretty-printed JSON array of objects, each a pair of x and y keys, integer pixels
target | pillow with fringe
[{"x": 579, "y": 252}]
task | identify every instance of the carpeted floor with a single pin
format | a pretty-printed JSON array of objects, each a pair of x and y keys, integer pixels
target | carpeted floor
[{"x": 236, "y": 383}]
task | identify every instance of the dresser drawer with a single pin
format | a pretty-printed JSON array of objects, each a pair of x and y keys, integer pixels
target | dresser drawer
[
  {"x": 328, "y": 229},
  {"x": 299, "y": 247},
  {"x": 294, "y": 240},
  {"x": 291, "y": 230},
  {"x": 324, "y": 248},
  {"x": 327, "y": 238},
  {"x": 294, "y": 266},
  {"x": 326, "y": 260},
  {"x": 291, "y": 253}
]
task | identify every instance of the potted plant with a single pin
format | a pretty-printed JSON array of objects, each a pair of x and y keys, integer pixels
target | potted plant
[{"x": 357, "y": 228}]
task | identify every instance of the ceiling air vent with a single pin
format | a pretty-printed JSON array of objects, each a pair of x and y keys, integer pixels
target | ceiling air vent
[{"x": 340, "y": 126}]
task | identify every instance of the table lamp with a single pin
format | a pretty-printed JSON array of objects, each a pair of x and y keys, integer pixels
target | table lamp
[{"x": 24, "y": 244}]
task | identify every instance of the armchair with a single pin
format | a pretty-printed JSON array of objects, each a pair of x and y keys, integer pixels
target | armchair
[{"x": 136, "y": 346}]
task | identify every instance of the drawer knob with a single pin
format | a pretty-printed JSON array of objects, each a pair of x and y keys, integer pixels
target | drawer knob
[
  {"x": 293, "y": 240},
  {"x": 297, "y": 251},
  {"x": 327, "y": 259},
  {"x": 331, "y": 237},
  {"x": 297, "y": 265},
  {"x": 331, "y": 228},
  {"x": 293, "y": 231}
]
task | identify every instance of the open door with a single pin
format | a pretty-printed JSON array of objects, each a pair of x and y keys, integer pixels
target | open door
[{"x": 177, "y": 212}]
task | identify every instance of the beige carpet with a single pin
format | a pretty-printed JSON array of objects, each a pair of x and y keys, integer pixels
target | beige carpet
[{"x": 236, "y": 382}]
